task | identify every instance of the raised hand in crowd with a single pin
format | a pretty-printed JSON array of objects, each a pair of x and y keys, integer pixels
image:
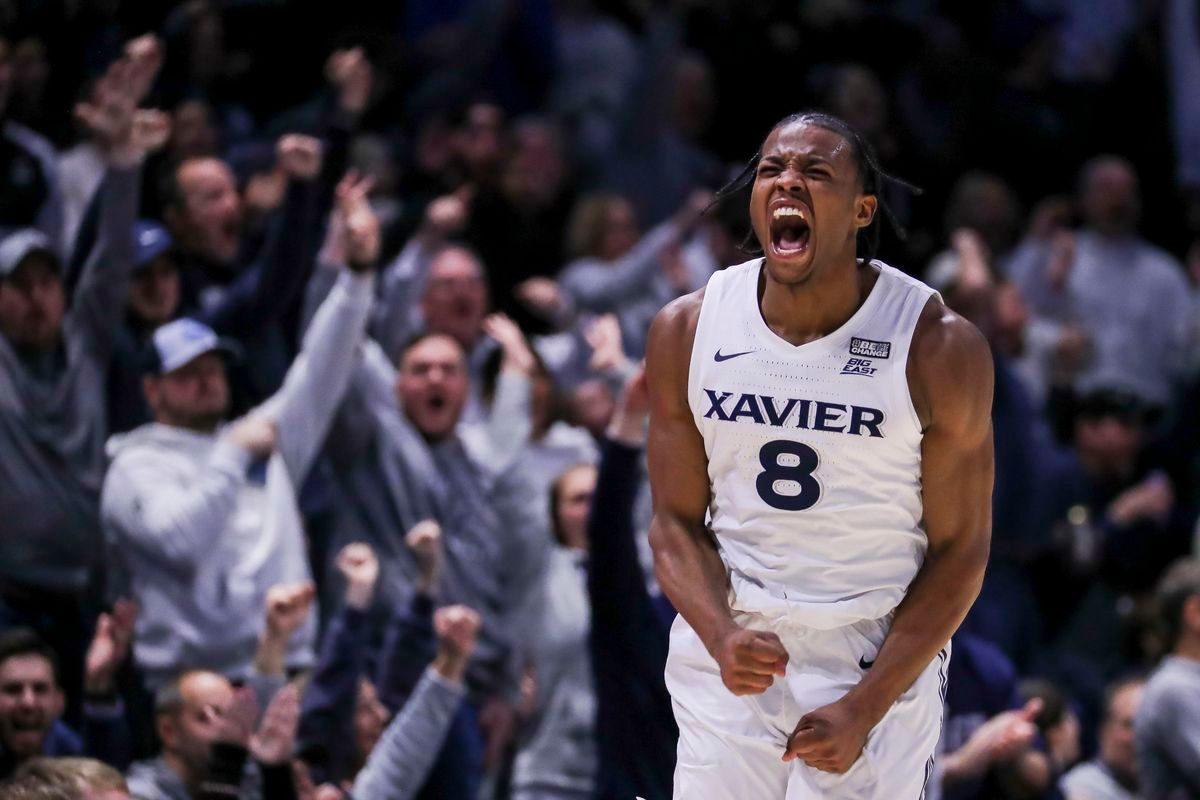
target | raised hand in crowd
[
  {"x": 352, "y": 237},
  {"x": 973, "y": 271},
  {"x": 275, "y": 739},
  {"x": 1000, "y": 740},
  {"x": 359, "y": 223},
  {"x": 109, "y": 648},
  {"x": 425, "y": 542},
  {"x": 299, "y": 156},
  {"x": 456, "y": 628},
  {"x": 360, "y": 568},
  {"x": 517, "y": 355},
  {"x": 288, "y": 606},
  {"x": 125, "y": 133},
  {"x": 351, "y": 75},
  {"x": 608, "y": 348},
  {"x": 447, "y": 215},
  {"x": 628, "y": 425},
  {"x": 255, "y": 434},
  {"x": 542, "y": 295}
]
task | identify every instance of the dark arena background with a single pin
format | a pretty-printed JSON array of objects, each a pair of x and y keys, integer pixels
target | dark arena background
[{"x": 322, "y": 405}]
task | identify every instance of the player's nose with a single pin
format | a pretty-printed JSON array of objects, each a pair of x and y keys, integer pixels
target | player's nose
[{"x": 792, "y": 183}]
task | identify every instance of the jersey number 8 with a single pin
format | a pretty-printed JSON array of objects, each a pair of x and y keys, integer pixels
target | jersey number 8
[{"x": 801, "y": 473}]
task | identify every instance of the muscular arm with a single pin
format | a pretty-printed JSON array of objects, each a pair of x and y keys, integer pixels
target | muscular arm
[
  {"x": 686, "y": 562},
  {"x": 685, "y": 556},
  {"x": 950, "y": 374}
]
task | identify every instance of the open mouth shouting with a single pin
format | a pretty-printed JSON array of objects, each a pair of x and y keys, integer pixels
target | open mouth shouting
[
  {"x": 791, "y": 229},
  {"x": 25, "y": 733}
]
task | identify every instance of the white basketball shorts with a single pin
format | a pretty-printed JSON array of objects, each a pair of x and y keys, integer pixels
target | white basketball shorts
[{"x": 731, "y": 748}]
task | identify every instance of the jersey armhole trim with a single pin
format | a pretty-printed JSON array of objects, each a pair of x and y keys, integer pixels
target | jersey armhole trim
[
  {"x": 902, "y": 385},
  {"x": 712, "y": 292}
]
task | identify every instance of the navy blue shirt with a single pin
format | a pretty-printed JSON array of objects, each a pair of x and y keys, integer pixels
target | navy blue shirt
[{"x": 982, "y": 684}]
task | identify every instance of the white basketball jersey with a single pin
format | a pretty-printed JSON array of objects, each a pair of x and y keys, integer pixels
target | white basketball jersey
[{"x": 814, "y": 452}]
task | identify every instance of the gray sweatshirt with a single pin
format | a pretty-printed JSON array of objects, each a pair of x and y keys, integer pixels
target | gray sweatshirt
[
  {"x": 1138, "y": 335},
  {"x": 201, "y": 537},
  {"x": 400, "y": 762},
  {"x": 53, "y": 425},
  {"x": 1168, "y": 732},
  {"x": 390, "y": 479},
  {"x": 154, "y": 780},
  {"x": 557, "y": 755}
]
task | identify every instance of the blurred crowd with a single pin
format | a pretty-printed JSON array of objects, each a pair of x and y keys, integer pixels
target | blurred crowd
[{"x": 322, "y": 416}]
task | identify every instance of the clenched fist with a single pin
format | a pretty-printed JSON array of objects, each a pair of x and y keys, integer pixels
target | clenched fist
[
  {"x": 750, "y": 660},
  {"x": 287, "y": 608},
  {"x": 360, "y": 568}
]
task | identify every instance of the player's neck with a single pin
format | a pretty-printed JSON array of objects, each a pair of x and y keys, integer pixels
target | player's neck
[{"x": 804, "y": 312}]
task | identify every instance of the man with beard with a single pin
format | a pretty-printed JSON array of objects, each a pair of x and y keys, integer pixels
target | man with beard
[
  {"x": 203, "y": 517},
  {"x": 55, "y": 348},
  {"x": 399, "y": 459},
  {"x": 32, "y": 699}
]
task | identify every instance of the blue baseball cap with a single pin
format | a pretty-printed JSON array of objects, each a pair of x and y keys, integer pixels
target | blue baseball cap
[
  {"x": 150, "y": 240},
  {"x": 182, "y": 341}
]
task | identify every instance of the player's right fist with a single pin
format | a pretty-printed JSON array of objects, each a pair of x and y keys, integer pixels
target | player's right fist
[{"x": 750, "y": 660}]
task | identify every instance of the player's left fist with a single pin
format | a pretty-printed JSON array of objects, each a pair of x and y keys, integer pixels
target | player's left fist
[{"x": 830, "y": 738}]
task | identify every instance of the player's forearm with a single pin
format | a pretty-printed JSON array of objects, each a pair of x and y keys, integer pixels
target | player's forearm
[
  {"x": 937, "y": 601},
  {"x": 692, "y": 575}
]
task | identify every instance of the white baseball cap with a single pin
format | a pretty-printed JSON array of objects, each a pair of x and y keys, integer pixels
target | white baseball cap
[{"x": 180, "y": 342}]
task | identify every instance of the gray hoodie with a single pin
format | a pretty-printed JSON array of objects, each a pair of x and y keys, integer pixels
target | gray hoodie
[
  {"x": 52, "y": 427},
  {"x": 201, "y": 536}
]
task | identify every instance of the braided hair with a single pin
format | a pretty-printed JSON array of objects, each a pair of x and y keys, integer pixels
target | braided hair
[{"x": 871, "y": 176}]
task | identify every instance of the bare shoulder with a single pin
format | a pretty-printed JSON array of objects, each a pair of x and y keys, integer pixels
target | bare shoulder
[
  {"x": 669, "y": 346},
  {"x": 678, "y": 317},
  {"x": 949, "y": 369},
  {"x": 674, "y": 329}
]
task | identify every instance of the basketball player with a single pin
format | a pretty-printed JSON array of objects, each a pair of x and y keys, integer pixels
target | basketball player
[{"x": 821, "y": 458}]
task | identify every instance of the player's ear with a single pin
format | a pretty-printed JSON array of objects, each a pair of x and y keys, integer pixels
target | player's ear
[{"x": 864, "y": 210}]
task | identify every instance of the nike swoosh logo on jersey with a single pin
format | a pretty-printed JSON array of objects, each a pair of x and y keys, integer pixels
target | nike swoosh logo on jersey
[
  {"x": 718, "y": 357},
  {"x": 864, "y": 664}
]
